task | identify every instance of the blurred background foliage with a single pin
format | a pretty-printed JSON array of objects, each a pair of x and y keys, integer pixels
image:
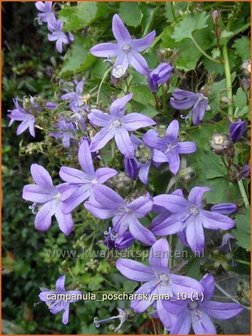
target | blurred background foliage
[{"x": 31, "y": 66}]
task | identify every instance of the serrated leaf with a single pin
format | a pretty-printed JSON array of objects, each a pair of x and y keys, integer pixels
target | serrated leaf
[
  {"x": 130, "y": 13},
  {"x": 78, "y": 17},
  {"x": 142, "y": 94},
  {"x": 190, "y": 24},
  {"x": 78, "y": 57},
  {"x": 242, "y": 231},
  {"x": 242, "y": 47}
]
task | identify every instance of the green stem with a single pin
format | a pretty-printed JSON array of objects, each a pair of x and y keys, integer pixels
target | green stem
[
  {"x": 203, "y": 52},
  {"x": 243, "y": 193},
  {"x": 165, "y": 331},
  {"x": 229, "y": 296},
  {"x": 228, "y": 80},
  {"x": 102, "y": 81},
  {"x": 173, "y": 9},
  {"x": 148, "y": 25}
]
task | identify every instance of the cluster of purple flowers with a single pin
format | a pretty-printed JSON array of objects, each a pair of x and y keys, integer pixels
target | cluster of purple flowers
[
  {"x": 55, "y": 26},
  {"x": 175, "y": 214}
]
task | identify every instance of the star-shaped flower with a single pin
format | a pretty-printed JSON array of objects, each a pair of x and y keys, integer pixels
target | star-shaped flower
[{"x": 126, "y": 50}]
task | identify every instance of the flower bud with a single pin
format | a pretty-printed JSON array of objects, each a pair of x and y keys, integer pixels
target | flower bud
[
  {"x": 124, "y": 241},
  {"x": 215, "y": 15},
  {"x": 224, "y": 208},
  {"x": 245, "y": 171},
  {"x": 221, "y": 143},
  {"x": 143, "y": 154},
  {"x": 50, "y": 105},
  {"x": 159, "y": 75},
  {"x": 130, "y": 166},
  {"x": 237, "y": 129}
]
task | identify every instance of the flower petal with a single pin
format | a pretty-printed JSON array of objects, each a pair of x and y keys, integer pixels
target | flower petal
[
  {"x": 134, "y": 121},
  {"x": 195, "y": 235},
  {"x": 104, "y": 174},
  {"x": 170, "y": 225},
  {"x": 149, "y": 287},
  {"x": 144, "y": 172},
  {"x": 159, "y": 254},
  {"x": 139, "y": 63},
  {"x": 134, "y": 270},
  {"x": 36, "y": 194},
  {"x": 60, "y": 283},
  {"x": 141, "y": 206},
  {"x": 159, "y": 156},
  {"x": 65, "y": 316},
  {"x": 78, "y": 196},
  {"x": 107, "y": 197},
  {"x": 182, "y": 325},
  {"x": 207, "y": 282},
  {"x": 41, "y": 176},
  {"x": 105, "y": 50},
  {"x": 141, "y": 233},
  {"x": 117, "y": 108},
  {"x": 221, "y": 310},
  {"x": 216, "y": 221},
  {"x": 173, "y": 203},
  {"x": 185, "y": 284},
  {"x": 123, "y": 142},
  {"x": 143, "y": 43},
  {"x": 173, "y": 130},
  {"x": 186, "y": 147},
  {"x": 85, "y": 157},
  {"x": 43, "y": 219},
  {"x": 152, "y": 139},
  {"x": 65, "y": 222},
  {"x": 196, "y": 194},
  {"x": 174, "y": 161},
  {"x": 99, "y": 118},
  {"x": 203, "y": 325},
  {"x": 119, "y": 30},
  {"x": 101, "y": 139},
  {"x": 72, "y": 175}
]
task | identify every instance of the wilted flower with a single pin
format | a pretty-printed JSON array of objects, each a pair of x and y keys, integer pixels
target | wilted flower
[
  {"x": 117, "y": 125},
  {"x": 50, "y": 197},
  {"x": 126, "y": 50},
  {"x": 185, "y": 314},
  {"x": 122, "y": 317},
  {"x": 63, "y": 302},
  {"x": 221, "y": 144},
  {"x": 58, "y": 35},
  {"x": 157, "y": 279},
  {"x": 168, "y": 148},
  {"x": 82, "y": 183},
  {"x": 189, "y": 216},
  {"x": 25, "y": 116},
  {"x": 184, "y": 100},
  {"x": 159, "y": 75},
  {"x": 106, "y": 203},
  {"x": 237, "y": 129},
  {"x": 65, "y": 131}
]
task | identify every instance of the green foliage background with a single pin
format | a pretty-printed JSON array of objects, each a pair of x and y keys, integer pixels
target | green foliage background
[{"x": 29, "y": 64}]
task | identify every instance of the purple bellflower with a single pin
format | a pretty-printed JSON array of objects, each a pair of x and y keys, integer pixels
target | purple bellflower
[
  {"x": 26, "y": 117},
  {"x": 75, "y": 98},
  {"x": 224, "y": 208},
  {"x": 184, "y": 100},
  {"x": 65, "y": 131},
  {"x": 126, "y": 50},
  {"x": 114, "y": 241},
  {"x": 117, "y": 125},
  {"x": 185, "y": 314},
  {"x": 158, "y": 279},
  {"x": 81, "y": 183},
  {"x": 237, "y": 129},
  {"x": 46, "y": 13},
  {"x": 159, "y": 75},
  {"x": 62, "y": 303},
  {"x": 58, "y": 35},
  {"x": 50, "y": 201},
  {"x": 106, "y": 203},
  {"x": 168, "y": 148},
  {"x": 188, "y": 216}
]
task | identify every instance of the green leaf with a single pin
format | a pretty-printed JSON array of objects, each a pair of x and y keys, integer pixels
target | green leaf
[
  {"x": 240, "y": 98},
  {"x": 129, "y": 286},
  {"x": 78, "y": 57},
  {"x": 142, "y": 94},
  {"x": 190, "y": 24},
  {"x": 242, "y": 231},
  {"x": 130, "y": 13},
  {"x": 78, "y": 17},
  {"x": 242, "y": 47}
]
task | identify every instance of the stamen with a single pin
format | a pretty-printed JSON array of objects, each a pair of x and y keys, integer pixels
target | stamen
[{"x": 122, "y": 316}]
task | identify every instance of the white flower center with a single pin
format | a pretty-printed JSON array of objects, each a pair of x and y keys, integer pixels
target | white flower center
[
  {"x": 194, "y": 211},
  {"x": 193, "y": 305},
  {"x": 126, "y": 48},
  {"x": 170, "y": 147},
  {"x": 164, "y": 278},
  {"x": 117, "y": 123},
  {"x": 57, "y": 196}
]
